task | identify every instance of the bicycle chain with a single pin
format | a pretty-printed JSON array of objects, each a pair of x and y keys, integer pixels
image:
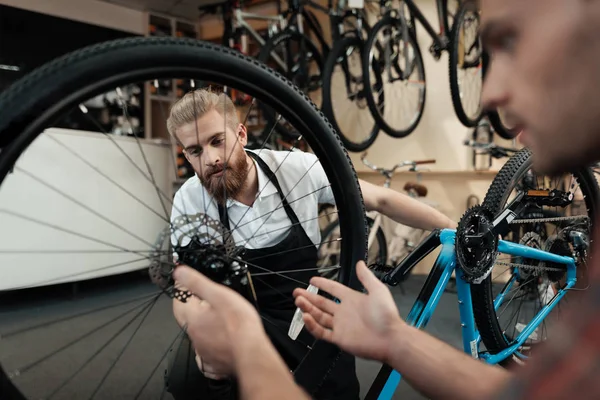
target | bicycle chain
[
  {"x": 549, "y": 219},
  {"x": 526, "y": 266},
  {"x": 539, "y": 220}
]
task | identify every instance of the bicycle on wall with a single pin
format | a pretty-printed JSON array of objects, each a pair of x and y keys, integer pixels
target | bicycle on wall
[
  {"x": 100, "y": 222},
  {"x": 393, "y": 43},
  {"x": 381, "y": 252}
]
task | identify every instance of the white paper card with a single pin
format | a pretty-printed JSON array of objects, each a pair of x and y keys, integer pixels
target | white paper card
[{"x": 297, "y": 322}]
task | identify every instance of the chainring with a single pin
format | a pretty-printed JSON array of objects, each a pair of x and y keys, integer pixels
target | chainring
[{"x": 476, "y": 244}]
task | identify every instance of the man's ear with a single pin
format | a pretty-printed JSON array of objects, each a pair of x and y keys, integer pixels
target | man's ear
[{"x": 242, "y": 134}]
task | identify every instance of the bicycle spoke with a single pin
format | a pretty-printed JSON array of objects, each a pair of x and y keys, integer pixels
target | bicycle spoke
[
  {"x": 282, "y": 200},
  {"x": 266, "y": 269},
  {"x": 105, "y": 345},
  {"x": 291, "y": 271},
  {"x": 87, "y": 271},
  {"x": 31, "y": 365},
  {"x": 123, "y": 350},
  {"x": 139, "y": 143},
  {"x": 9, "y": 334},
  {"x": 263, "y": 188},
  {"x": 292, "y": 225},
  {"x": 275, "y": 209},
  {"x": 82, "y": 205},
  {"x": 108, "y": 178},
  {"x": 282, "y": 330},
  {"x": 285, "y": 296},
  {"x": 18, "y": 215},
  {"x": 133, "y": 163},
  {"x": 173, "y": 142},
  {"x": 297, "y": 248}
]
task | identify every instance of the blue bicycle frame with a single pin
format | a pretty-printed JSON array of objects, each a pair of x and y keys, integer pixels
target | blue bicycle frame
[{"x": 387, "y": 381}]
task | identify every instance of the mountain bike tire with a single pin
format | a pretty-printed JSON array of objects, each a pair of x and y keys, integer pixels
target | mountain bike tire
[
  {"x": 336, "y": 56},
  {"x": 459, "y": 109},
  {"x": 483, "y": 301},
  {"x": 34, "y": 102},
  {"x": 367, "y": 64},
  {"x": 264, "y": 55}
]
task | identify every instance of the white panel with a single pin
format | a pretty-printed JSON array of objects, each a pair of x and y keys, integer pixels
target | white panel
[{"x": 57, "y": 168}]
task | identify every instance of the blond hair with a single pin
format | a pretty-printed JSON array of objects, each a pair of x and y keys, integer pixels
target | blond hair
[{"x": 197, "y": 103}]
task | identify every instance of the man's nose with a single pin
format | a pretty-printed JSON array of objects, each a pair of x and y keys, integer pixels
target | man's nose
[
  {"x": 495, "y": 89},
  {"x": 213, "y": 157}
]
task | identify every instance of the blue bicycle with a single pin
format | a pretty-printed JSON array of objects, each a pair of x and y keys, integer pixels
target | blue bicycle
[{"x": 544, "y": 265}]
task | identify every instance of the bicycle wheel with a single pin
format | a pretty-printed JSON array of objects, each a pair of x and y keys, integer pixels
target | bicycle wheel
[
  {"x": 465, "y": 64},
  {"x": 329, "y": 251},
  {"x": 283, "y": 53},
  {"x": 401, "y": 68},
  {"x": 344, "y": 95},
  {"x": 529, "y": 282},
  {"x": 32, "y": 106}
]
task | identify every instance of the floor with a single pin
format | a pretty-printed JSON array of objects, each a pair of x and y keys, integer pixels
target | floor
[{"x": 28, "y": 354}]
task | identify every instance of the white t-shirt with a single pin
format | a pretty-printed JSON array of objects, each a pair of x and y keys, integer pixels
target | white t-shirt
[{"x": 303, "y": 182}]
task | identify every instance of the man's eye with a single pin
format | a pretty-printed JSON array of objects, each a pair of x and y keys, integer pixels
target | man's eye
[
  {"x": 507, "y": 43},
  {"x": 217, "y": 142},
  {"x": 503, "y": 42},
  {"x": 195, "y": 152}
]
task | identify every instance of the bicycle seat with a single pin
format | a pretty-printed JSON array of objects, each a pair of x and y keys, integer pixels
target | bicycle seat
[{"x": 417, "y": 187}]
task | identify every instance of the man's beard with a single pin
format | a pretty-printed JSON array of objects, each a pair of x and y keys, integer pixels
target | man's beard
[{"x": 230, "y": 183}]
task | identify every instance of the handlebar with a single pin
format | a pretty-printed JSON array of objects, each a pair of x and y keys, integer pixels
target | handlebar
[
  {"x": 492, "y": 148},
  {"x": 388, "y": 172}
]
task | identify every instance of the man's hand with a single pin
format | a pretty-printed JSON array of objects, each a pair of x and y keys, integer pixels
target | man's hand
[
  {"x": 229, "y": 331},
  {"x": 218, "y": 324},
  {"x": 361, "y": 324}
]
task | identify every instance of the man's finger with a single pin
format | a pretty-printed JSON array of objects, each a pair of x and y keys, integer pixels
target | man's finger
[
  {"x": 316, "y": 329},
  {"x": 317, "y": 300},
  {"x": 323, "y": 318},
  {"x": 367, "y": 278},
  {"x": 334, "y": 288}
]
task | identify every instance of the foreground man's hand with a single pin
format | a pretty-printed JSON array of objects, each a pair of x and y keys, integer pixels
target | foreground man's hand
[
  {"x": 361, "y": 324},
  {"x": 369, "y": 326},
  {"x": 215, "y": 323},
  {"x": 229, "y": 332}
]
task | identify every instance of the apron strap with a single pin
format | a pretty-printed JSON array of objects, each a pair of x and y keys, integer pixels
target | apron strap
[{"x": 265, "y": 168}]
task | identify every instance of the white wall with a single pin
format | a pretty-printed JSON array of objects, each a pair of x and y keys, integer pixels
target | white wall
[
  {"x": 89, "y": 11},
  {"x": 58, "y": 168}
]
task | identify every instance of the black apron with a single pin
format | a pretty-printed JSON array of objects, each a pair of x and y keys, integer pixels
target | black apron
[{"x": 275, "y": 301}]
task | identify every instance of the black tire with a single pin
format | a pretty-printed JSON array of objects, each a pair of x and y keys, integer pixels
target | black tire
[
  {"x": 336, "y": 56},
  {"x": 495, "y": 200},
  {"x": 33, "y": 103},
  {"x": 264, "y": 56},
  {"x": 467, "y": 120},
  {"x": 368, "y": 64}
]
